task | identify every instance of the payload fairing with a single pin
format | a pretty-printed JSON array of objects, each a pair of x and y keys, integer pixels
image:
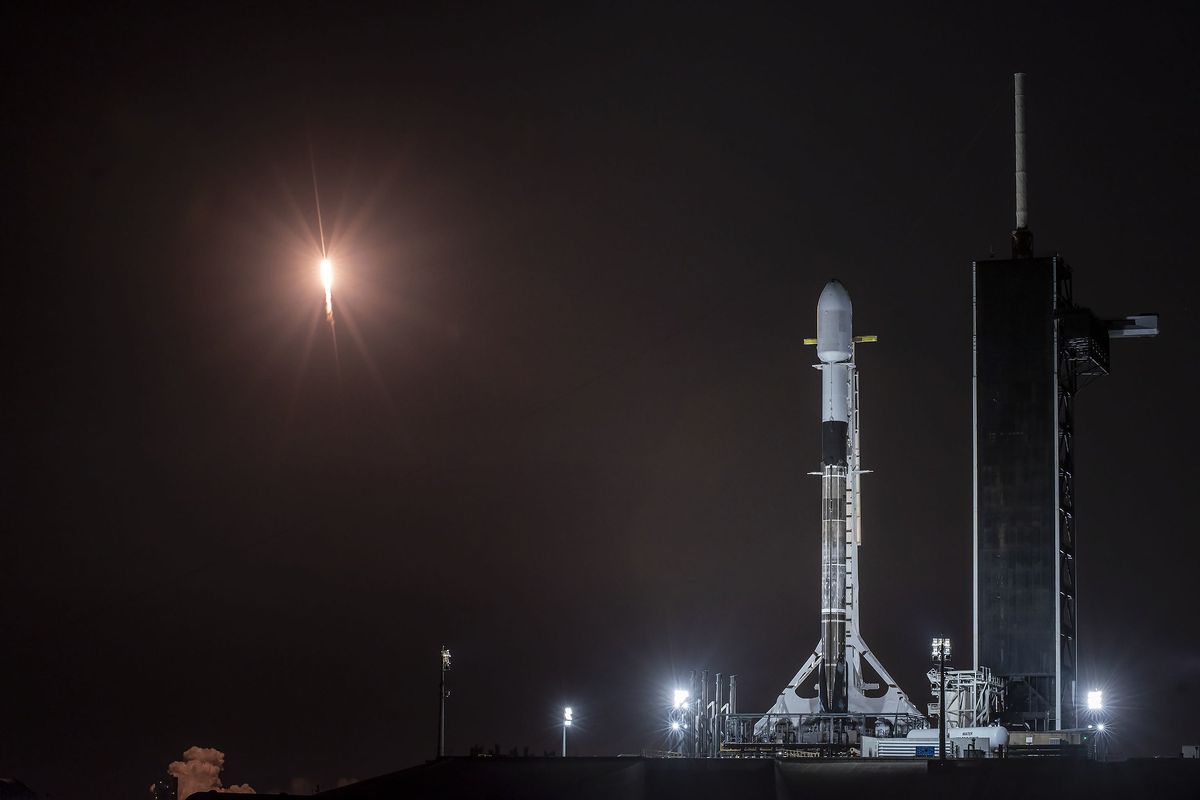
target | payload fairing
[{"x": 837, "y": 662}]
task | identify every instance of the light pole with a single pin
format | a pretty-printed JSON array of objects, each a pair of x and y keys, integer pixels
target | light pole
[
  {"x": 678, "y": 717},
  {"x": 1095, "y": 705},
  {"x": 442, "y": 695},
  {"x": 941, "y": 651},
  {"x": 567, "y": 714}
]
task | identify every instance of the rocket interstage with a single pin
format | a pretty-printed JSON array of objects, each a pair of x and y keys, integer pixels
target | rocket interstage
[{"x": 832, "y": 680}]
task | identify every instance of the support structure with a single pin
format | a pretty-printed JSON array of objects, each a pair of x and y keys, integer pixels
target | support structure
[
  {"x": 969, "y": 699},
  {"x": 1033, "y": 349}
]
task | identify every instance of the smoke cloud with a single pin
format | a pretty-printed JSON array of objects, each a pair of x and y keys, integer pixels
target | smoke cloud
[{"x": 200, "y": 771}]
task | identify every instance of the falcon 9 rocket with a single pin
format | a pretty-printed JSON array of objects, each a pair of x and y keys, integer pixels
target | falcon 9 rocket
[{"x": 841, "y": 686}]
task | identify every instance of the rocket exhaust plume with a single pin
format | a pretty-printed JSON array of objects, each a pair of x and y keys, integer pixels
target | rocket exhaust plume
[
  {"x": 200, "y": 771},
  {"x": 327, "y": 281}
]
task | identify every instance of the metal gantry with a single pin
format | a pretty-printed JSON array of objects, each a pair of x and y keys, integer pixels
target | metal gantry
[
  {"x": 971, "y": 698},
  {"x": 714, "y": 728}
]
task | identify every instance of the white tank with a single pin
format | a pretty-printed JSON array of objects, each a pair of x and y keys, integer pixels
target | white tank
[{"x": 835, "y": 331}]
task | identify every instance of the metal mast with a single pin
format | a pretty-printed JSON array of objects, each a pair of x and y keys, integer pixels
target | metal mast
[
  {"x": 1022, "y": 237},
  {"x": 442, "y": 695}
]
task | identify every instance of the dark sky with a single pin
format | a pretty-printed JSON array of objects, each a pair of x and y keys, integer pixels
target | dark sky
[{"x": 569, "y": 422}]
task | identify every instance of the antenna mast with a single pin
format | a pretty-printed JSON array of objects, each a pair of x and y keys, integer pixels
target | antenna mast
[{"x": 1022, "y": 237}]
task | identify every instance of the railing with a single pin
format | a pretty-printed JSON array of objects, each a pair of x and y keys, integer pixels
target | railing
[{"x": 781, "y": 732}]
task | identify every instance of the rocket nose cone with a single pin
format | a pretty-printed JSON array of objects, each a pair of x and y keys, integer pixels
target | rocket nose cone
[
  {"x": 834, "y": 299},
  {"x": 835, "y": 327}
]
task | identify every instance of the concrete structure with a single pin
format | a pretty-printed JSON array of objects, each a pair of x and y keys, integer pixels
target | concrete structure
[{"x": 771, "y": 779}]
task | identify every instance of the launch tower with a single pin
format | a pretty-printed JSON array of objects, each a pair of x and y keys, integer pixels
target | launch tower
[{"x": 1033, "y": 348}]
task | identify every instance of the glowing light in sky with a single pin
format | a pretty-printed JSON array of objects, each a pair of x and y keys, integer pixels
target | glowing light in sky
[{"x": 327, "y": 280}]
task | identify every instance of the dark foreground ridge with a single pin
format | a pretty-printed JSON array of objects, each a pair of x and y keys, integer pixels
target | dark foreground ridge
[{"x": 698, "y": 779}]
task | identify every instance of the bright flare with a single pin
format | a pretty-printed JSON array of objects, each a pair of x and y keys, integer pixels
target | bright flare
[{"x": 327, "y": 280}]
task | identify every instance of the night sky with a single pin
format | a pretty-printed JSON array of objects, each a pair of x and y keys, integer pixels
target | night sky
[{"x": 568, "y": 422}]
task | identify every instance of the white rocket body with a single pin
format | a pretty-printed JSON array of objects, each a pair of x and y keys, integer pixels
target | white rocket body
[
  {"x": 837, "y": 662},
  {"x": 835, "y": 348}
]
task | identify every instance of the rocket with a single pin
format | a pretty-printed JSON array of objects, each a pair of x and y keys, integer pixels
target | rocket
[
  {"x": 835, "y": 349},
  {"x": 841, "y": 675}
]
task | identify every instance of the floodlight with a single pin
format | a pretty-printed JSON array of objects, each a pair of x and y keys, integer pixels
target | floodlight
[
  {"x": 1095, "y": 700},
  {"x": 681, "y": 696},
  {"x": 567, "y": 715},
  {"x": 1100, "y": 726},
  {"x": 674, "y": 726}
]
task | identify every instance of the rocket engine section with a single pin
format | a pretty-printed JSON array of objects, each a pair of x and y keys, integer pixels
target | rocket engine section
[{"x": 835, "y": 349}]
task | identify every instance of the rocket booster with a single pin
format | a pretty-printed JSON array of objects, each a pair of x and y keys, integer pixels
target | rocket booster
[
  {"x": 835, "y": 349},
  {"x": 838, "y": 664}
]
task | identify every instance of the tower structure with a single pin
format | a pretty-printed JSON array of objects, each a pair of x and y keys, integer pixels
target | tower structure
[{"x": 1033, "y": 348}]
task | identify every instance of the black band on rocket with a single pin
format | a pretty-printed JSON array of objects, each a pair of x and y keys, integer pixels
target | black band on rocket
[{"x": 833, "y": 443}]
